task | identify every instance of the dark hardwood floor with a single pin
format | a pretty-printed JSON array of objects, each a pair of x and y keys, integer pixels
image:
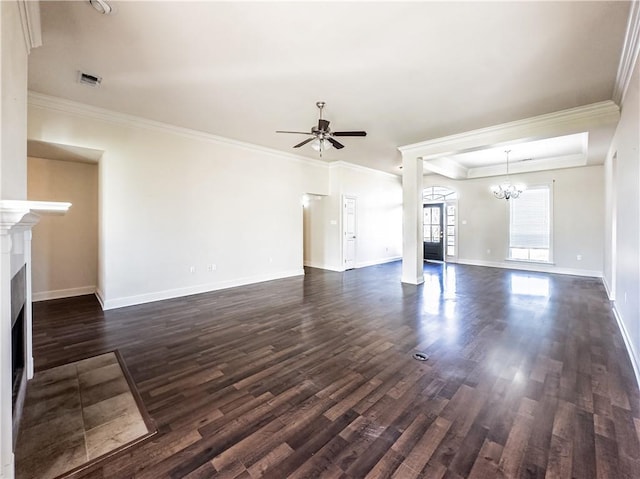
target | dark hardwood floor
[{"x": 313, "y": 377}]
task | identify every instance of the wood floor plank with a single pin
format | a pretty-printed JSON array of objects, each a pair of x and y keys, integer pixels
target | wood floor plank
[{"x": 313, "y": 377}]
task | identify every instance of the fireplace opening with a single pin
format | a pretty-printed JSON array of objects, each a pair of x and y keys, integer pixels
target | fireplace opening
[{"x": 17, "y": 354}]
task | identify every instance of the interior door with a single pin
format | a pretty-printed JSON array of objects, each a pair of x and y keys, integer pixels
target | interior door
[
  {"x": 432, "y": 222},
  {"x": 349, "y": 231}
]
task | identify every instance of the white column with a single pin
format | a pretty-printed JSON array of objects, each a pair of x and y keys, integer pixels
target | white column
[{"x": 412, "y": 238}]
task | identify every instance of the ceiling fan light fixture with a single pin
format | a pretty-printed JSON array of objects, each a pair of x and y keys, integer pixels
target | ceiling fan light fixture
[
  {"x": 320, "y": 144},
  {"x": 322, "y": 138}
]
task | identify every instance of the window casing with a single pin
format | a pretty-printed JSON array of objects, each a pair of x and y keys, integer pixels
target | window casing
[{"x": 530, "y": 225}]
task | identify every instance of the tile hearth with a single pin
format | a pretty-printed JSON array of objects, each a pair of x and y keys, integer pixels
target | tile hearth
[{"x": 74, "y": 414}]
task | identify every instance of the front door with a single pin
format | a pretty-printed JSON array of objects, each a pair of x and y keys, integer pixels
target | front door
[{"x": 432, "y": 231}]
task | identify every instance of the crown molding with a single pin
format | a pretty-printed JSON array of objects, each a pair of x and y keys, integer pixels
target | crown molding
[
  {"x": 30, "y": 20},
  {"x": 572, "y": 120},
  {"x": 364, "y": 169},
  {"x": 629, "y": 56},
  {"x": 52, "y": 103}
]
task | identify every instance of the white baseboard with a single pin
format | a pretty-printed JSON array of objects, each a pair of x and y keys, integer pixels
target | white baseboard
[
  {"x": 633, "y": 354},
  {"x": 311, "y": 264},
  {"x": 536, "y": 267},
  {"x": 607, "y": 288},
  {"x": 187, "y": 291},
  {"x": 100, "y": 297},
  {"x": 63, "y": 293},
  {"x": 7, "y": 466},
  {"x": 361, "y": 264},
  {"x": 389, "y": 259}
]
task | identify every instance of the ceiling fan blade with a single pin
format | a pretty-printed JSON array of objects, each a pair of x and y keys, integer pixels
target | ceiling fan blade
[
  {"x": 296, "y": 132},
  {"x": 349, "y": 133},
  {"x": 336, "y": 144},
  {"x": 323, "y": 125},
  {"x": 303, "y": 142}
]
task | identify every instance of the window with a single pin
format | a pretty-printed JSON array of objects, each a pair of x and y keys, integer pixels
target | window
[
  {"x": 451, "y": 230},
  {"x": 530, "y": 225}
]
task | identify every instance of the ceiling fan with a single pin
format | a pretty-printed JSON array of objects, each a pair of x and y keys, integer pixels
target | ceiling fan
[{"x": 322, "y": 136}]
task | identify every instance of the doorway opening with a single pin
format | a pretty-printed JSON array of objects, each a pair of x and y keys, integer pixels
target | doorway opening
[
  {"x": 65, "y": 250},
  {"x": 439, "y": 224}
]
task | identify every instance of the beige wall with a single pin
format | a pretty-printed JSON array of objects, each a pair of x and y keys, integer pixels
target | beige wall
[
  {"x": 64, "y": 248},
  {"x": 315, "y": 246},
  {"x": 578, "y": 220},
  {"x": 13, "y": 88}
]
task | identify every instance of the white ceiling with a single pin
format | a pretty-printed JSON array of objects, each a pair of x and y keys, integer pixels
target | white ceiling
[{"x": 404, "y": 72}]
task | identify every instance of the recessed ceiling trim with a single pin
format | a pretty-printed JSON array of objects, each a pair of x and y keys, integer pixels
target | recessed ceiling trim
[
  {"x": 446, "y": 167},
  {"x": 530, "y": 166},
  {"x": 559, "y": 123}
]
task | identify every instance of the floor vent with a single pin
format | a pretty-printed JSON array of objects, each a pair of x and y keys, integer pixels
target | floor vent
[{"x": 420, "y": 356}]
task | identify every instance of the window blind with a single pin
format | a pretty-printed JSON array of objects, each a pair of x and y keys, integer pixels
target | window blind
[{"x": 530, "y": 219}]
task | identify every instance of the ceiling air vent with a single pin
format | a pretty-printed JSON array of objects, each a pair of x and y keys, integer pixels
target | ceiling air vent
[{"x": 89, "y": 79}]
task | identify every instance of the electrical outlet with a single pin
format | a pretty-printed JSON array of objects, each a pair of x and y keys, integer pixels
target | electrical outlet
[
  {"x": 211, "y": 268},
  {"x": 192, "y": 269},
  {"x": 579, "y": 257}
]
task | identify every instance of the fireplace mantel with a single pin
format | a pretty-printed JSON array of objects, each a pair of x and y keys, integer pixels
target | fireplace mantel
[{"x": 17, "y": 218}]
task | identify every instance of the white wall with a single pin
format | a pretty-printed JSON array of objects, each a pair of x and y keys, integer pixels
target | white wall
[
  {"x": 378, "y": 218},
  {"x": 622, "y": 272},
  {"x": 172, "y": 199},
  {"x": 378, "y": 213},
  {"x": 64, "y": 248},
  {"x": 578, "y": 219}
]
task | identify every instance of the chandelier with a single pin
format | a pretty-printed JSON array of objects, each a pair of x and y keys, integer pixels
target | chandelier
[{"x": 507, "y": 190}]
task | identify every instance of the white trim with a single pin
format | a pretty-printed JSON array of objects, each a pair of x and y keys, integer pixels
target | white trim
[
  {"x": 573, "y": 119},
  {"x": 364, "y": 169},
  {"x": 416, "y": 281},
  {"x": 607, "y": 288},
  {"x": 201, "y": 288},
  {"x": 30, "y": 20},
  {"x": 100, "y": 297},
  {"x": 633, "y": 355},
  {"x": 388, "y": 259},
  {"x": 535, "y": 267},
  {"x": 311, "y": 264},
  {"x": 63, "y": 293},
  {"x": 47, "y": 102},
  {"x": 36, "y": 206},
  {"x": 629, "y": 56}
]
